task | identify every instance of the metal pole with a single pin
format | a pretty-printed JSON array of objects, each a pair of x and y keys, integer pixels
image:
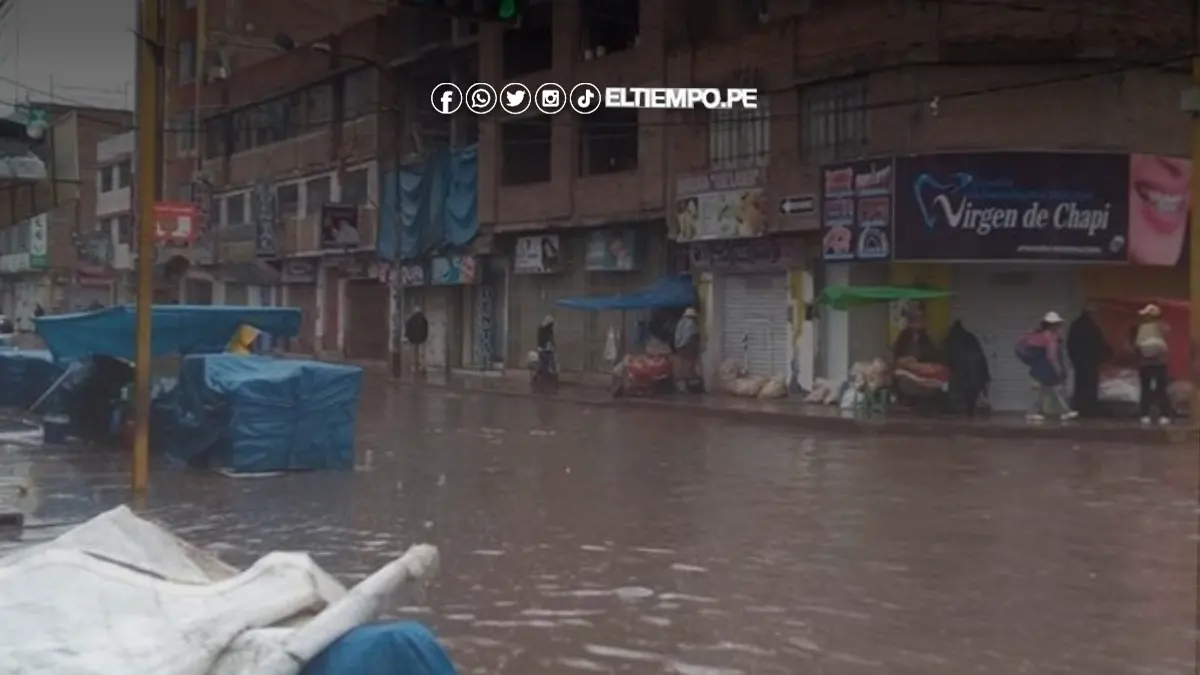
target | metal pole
[
  {"x": 148, "y": 140},
  {"x": 1194, "y": 234},
  {"x": 201, "y": 73}
]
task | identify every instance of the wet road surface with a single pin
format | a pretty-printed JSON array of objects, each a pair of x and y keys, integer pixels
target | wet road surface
[{"x": 611, "y": 540}]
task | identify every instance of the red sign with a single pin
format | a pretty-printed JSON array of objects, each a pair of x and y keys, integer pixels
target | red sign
[{"x": 175, "y": 223}]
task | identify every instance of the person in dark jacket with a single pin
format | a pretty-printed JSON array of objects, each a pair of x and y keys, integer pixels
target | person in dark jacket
[
  {"x": 1088, "y": 350},
  {"x": 416, "y": 333},
  {"x": 547, "y": 359},
  {"x": 39, "y": 311},
  {"x": 969, "y": 373}
]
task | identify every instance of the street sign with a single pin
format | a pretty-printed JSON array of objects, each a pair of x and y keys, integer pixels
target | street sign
[{"x": 797, "y": 205}]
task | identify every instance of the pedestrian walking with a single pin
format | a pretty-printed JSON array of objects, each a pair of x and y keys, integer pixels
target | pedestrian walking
[
  {"x": 687, "y": 350},
  {"x": 416, "y": 332},
  {"x": 1150, "y": 346},
  {"x": 1088, "y": 350},
  {"x": 1043, "y": 351}
]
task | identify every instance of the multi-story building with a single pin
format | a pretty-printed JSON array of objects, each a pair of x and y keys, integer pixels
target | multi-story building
[
  {"x": 895, "y": 115},
  {"x": 106, "y": 260},
  {"x": 46, "y": 218},
  {"x": 288, "y": 104}
]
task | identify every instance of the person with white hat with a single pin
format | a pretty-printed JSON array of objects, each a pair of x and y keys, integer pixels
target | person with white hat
[
  {"x": 1043, "y": 351},
  {"x": 1150, "y": 345}
]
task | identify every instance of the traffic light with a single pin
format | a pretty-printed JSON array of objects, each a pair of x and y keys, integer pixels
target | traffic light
[{"x": 483, "y": 11}]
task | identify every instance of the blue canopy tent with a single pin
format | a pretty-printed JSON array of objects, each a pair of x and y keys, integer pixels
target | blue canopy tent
[
  {"x": 175, "y": 329},
  {"x": 671, "y": 292}
]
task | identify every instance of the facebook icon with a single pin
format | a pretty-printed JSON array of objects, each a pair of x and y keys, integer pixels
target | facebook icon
[{"x": 446, "y": 98}]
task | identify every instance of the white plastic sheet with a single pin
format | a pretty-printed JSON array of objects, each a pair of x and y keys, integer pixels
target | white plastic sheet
[{"x": 121, "y": 596}]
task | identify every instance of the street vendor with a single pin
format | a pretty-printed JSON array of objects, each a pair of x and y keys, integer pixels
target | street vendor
[{"x": 914, "y": 342}]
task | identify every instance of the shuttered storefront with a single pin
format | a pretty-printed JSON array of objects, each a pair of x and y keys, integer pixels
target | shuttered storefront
[
  {"x": 580, "y": 334},
  {"x": 754, "y": 322},
  {"x": 304, "y": 298},
  {"x": 367, "y": 314},
  {"x": 999, "y": 304}
]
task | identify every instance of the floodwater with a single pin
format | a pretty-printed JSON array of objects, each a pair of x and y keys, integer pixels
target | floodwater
[{"x": 611, "y": 540}]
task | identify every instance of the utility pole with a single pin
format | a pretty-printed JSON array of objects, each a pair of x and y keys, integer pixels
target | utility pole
[
  {"x": 1193, "y": 98},
  {"x": 149, "y": 65}
]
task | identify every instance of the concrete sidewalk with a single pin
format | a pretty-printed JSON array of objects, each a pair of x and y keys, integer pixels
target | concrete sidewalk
[{"x": 825, "y": 418}]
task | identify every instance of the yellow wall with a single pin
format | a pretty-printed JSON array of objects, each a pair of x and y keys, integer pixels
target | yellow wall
[
  {"x": 1098, "y": 282},
  {"x": 937, "y": 312}
]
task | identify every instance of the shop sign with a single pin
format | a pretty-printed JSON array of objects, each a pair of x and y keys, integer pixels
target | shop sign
[
  {"x": 175, "y": 223},
  {"x": 34, "y": 257},
  {"x": 856, "y": 211},
  {"x": 719, "y": 205},
  {"x": 1021, "y": 206},
  {"x": 352, "y": 267},
  {"x": 339, "y": 226},
  {"x": 765, "y": 254},
  {"x": 453, "y": 270},
  {"x": 612, "y": 251},
  {"x": 538, "y": 255},
  {"x": 299, "y": 271},
  {"x": 412, "y": 275}
]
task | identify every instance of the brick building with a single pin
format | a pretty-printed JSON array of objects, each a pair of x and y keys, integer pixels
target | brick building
[
  {"x": 44, "y": 223},
  {"x": 841, "y": 81}
]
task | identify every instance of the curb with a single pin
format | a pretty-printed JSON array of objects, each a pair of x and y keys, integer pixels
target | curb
[{"x": 848, "y": 425}]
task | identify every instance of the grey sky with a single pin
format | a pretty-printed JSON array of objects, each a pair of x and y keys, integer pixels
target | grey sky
[{"x": 82, "y": 51}]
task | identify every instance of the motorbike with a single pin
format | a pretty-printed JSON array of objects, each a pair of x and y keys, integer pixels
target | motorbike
[{"x": 543, "y": 373}]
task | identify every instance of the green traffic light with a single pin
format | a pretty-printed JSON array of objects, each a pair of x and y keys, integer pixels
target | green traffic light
[{"x": 508, "y": 9}]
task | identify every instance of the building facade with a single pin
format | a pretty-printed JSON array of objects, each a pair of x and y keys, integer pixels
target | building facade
[
  {"x": 743, "y": 192},
  {"x": 45, "y": 221}
]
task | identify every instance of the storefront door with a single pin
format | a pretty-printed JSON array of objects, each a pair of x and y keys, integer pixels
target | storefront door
[
  {"x": 754, "y": 322},
  {"x": 999, "y": 304},
  {"x": 304, "y": 298},
  {"x": 367, "y": 311}
]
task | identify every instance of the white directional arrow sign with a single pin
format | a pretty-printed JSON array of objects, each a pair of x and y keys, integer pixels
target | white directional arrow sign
[{"x": 797, "y": 205}]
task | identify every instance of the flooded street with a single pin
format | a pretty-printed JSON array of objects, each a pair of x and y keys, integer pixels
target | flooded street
[{"x": 612, "y": 540}]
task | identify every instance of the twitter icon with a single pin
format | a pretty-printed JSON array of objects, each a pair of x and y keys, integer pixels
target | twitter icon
[{"x": 515, "y": 98}]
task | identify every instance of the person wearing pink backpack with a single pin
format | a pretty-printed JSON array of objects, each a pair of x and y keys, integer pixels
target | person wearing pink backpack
[{"x": 1044, "y": 352}]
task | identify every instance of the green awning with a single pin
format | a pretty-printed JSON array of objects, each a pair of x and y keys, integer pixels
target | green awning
[{"x": 849, "y": 297}]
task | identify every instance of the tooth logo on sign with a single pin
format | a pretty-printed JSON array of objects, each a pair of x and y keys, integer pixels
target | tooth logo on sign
[
  {"x": 926, "y": 184},
  {"x": 515, "y": 98}
]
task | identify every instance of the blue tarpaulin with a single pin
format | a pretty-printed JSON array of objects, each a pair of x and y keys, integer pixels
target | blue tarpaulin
[
  {"x": 394, "y": 648},
  {"x": 25, "y": 375},
  {"x": 669, "y": 292},
  {"x": 257, "y": 414},
  {"x": 430, "y": 206},
  {"x": 175, "y": 329}
]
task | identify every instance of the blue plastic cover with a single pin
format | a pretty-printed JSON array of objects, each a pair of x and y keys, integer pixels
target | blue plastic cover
[
  {"x": 430, "y": 206},
  {"x": 25, "y": 375},
  {"x": 669, "y": 292},
  {"x": 257, "y": 414},
  {"x": 175, "y": 329},
  {"x": 393, "y": 648}
]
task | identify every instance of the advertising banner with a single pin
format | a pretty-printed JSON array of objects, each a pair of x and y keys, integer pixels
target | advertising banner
[{"x": 856, "y": 211}]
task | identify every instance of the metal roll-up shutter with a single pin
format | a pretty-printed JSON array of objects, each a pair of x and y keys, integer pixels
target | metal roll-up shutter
[
  {"x": 754, "y": 322},
  {"x": 304, "y": 298},
  {"x": 1001, "y": 304}
]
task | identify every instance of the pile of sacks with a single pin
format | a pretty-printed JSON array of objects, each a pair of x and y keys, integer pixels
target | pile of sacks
[
  {"x": 865, "y": 376},
  {"x": 733, "y": 379}
]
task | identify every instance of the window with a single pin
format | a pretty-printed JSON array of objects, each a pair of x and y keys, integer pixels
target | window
[
  {"x": 184, "y": 129},
  {"x": 609, "y": 26},
  {"x": 183, "y": 191},
  {"x": 833, "y": 120},
  {"x": 218, "y": 133},
  {"x": 356, "y": 187},
  {"x": 287, "y": 199},
  {"x": 739, "y": 137},
  {"x": 187, "y": 62},
  {"x": 318, "y": 105},
  {"x": 124, "y": 174},
  {"x": 525, "y": 147},
  {"x": 235, "y": 209},
  {"x": 529, "y": 48},
  {"x": 105, "y": 176},
  {"x": 357, "y": 100},
  {"x": 317, "y": 192},
  {"x": 608, "y": 141},
  {"x": 123, "y": 228}
]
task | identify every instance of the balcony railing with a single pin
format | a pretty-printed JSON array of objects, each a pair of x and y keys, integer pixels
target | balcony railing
[{"x": 302, "y": 234}]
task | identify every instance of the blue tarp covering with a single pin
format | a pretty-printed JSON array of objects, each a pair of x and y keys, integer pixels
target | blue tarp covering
[
  {"x": 175, "y": 329},
  {"x": 431, "y": 206},
  {"x": 25, "y": 375},
  {"x": 669, "y": 292},
  {"x": 256, "y": 414},
  {"x": 395, "y": 648}
]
